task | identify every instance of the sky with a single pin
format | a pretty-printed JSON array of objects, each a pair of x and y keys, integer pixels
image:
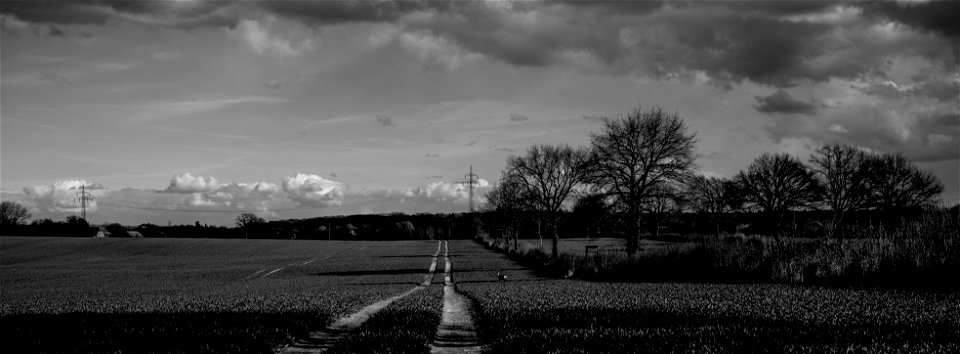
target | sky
[{"x": 191, "y": 110}]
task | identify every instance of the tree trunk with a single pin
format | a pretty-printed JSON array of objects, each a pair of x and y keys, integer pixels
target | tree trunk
[
  {"x": 556, "y": 236},
  {"x": 540, "y": 233},
  {"x": 633, "y": 234},
  {"x": 716, "y": 220}
]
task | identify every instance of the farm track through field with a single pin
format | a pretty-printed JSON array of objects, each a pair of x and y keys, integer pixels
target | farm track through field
[
  {"x": 320, "y": 341},
  {"x": 457, "y": 333},
  {"x": 263, "y": 273}
]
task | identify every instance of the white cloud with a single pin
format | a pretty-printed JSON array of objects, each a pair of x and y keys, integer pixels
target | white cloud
[
  {"x": 198, "y": 105},
  {"x": 314, "y": 190},
  {"x": 198, "y": 200},
  {"x": 837, "y": 128},
  {"x": 838, "y": 15},
  {"x": 447, "y": 191},
  {"x": 62, "y": 196},
  {"x": 188, "y": 183},
  {"x": 263, "y": 42}
]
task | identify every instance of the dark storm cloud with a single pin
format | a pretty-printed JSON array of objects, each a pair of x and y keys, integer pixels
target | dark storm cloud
[
  {"x": 326, "y": 12},
  {"x": 606, "y": 7},
  {"x": 945, "y": 91},
  {"x": 782, "y": 102},
  {"x": 937, "y": 16},
  {"x": 929, "y": 136},
  {"x": 509, "y": 35},
  {"x": 731, "y": 47},
  {"x": 729, "y": 41},
  {"x": 781, "y": 8},
  {"x": 151, "y": 12}
]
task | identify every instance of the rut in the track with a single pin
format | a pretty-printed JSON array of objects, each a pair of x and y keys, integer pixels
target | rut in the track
[
  {"x": 457, "y": 332},
  {"x": 320, "y": 341},
  {"x": 263, "y": 273}
]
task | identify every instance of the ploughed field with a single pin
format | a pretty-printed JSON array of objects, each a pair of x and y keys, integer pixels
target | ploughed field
[{"x": 187, "y": 295}]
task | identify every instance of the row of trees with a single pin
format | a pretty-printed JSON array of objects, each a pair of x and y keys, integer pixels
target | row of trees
[{"x": 642, "y": 165}]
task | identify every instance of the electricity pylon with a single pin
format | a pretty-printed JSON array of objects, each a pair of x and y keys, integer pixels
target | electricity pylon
[
  {"x": 471, "y": 179},
  {"x": 83, "y": 196}
]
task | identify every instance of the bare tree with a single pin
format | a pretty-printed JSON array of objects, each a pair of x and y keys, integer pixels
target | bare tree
[
  {"x": 635, "y": 156},
  {"x": 508, "y": 201},
  {"x": 841, "y": 173},
  {"x": 713, "y": 197},
  {"x": 777, "y": 183},
  {"x": 547, "y": 175},
  {"x": 13, "y": 213},
  {"x": 896, "y": 183}
]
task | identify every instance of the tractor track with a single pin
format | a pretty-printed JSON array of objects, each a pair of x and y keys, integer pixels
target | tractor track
[
  {"x": 265, "y": 272},
  {"x": 322, "y": 340}
]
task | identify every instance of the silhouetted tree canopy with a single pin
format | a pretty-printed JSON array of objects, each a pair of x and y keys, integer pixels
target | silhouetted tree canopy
[
  {"x": 13, "y": 213},
  {"x": 776, "y": 183},
  {"x": 895, "y": 182},
  {"x": 546, "y": 175},
  {"x": 843, "y": 180},
  {"x": 637, "y": 155},
  {"x": 246, "y": 220}
]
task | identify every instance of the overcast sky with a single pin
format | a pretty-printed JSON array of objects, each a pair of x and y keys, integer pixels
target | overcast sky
[{"x": 192, "y": 110}]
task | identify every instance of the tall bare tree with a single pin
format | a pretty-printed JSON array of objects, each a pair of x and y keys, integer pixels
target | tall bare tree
[
  {"x": 840, "y": 171},
  {"x": 777, "y": 183},
  {"x": 713, "y": 197},
  {"x": 13, "y": 213},
  {"x": 895, "y": 183},
  {"x": 636, "y": 156},
  {"x": 548, "y": 174}
]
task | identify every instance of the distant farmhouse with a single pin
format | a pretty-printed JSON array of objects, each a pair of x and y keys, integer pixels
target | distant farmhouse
[{"x": 102, "y": 232}]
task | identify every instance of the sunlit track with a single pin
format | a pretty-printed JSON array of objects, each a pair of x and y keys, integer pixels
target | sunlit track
[
  {"x": 322, "y": 340},
  {"x": 260, "y": 273},
  {"x": 428, "y": 278},
  {"x": 457, "y": 332}
]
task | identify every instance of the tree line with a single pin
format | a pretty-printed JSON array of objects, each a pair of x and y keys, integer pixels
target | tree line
[{"x": 642, "y": 166}]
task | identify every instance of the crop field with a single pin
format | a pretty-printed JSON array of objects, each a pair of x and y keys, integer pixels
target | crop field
[
  {"x": 527, "y": 314},
  {"x": 186, "y": 295},
  {"x": 163, "y": 295}
]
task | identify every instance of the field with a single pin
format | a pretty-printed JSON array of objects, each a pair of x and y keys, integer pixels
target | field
[
  {"x": 194, "y": 295},
  {"x": 528, "y": 314},
  {"x": 165, "y": 295}
]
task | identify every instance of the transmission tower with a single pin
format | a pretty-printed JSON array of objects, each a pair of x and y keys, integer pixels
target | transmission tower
[
  {"x": 83, "y": 197},
  {"x": 471, "y": 180}
]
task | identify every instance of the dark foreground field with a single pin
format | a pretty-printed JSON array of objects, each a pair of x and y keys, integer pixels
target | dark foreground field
[
  {"x": 170, "y": 295},
  {"x": 156, "y": 295}
]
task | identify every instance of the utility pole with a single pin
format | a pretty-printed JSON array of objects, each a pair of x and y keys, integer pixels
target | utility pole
[
  {"x": 83, "y": 197},
  {"x": 471, "y": 179}
]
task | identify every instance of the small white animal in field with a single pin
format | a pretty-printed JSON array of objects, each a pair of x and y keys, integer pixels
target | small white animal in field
[{"x": 501, "y": 276}]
